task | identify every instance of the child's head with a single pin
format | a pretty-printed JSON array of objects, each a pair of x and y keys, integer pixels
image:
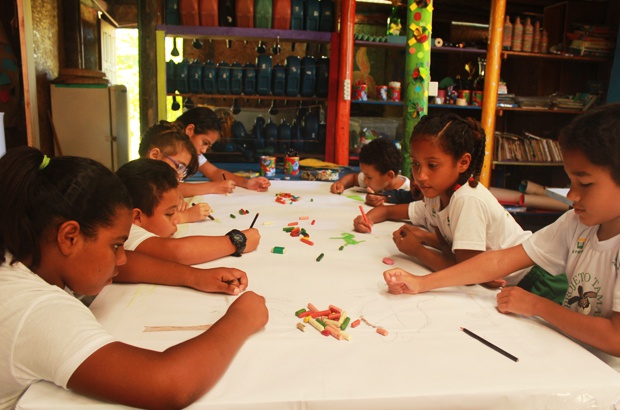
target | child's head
[
  {"x": 168, "y": 142},
  {"x": 153, "y": 186},
  {"x": 202, "y": 126},
  {"x": 50, "y": 206},
  {"x": 449, "y": 149},
  {"x": 380, "y": 163},
  {"x": 591, "y": 150}
]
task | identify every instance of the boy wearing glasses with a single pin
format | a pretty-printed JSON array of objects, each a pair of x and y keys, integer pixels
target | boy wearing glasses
[
  {"x": 203, "y": 128},
  {"x": 153, "y": 187}
]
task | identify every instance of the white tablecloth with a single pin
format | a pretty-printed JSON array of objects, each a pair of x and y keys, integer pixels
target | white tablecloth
[{"x": 425, "y": 362}]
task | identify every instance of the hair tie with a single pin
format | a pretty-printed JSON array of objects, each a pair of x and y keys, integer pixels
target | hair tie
[{"x": 44, "y": 162}]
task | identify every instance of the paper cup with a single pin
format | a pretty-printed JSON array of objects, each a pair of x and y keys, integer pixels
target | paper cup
[
  {"x": 291, "y": 165},
  {"x": 268, "y": 166}
]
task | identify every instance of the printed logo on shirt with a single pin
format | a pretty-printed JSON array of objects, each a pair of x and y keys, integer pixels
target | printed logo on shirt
[
  {"x": 581, "y": 243},
  {"x": 581, "y": 300},
  {"x": 448, "y": 219},
  {"x": 434, "y": 212}
]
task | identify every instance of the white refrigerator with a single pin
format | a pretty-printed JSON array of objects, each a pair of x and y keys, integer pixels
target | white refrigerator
[{"x": 92, "y": 120}]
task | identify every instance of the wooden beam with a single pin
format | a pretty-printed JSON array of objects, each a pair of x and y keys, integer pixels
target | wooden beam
[{"x": 147, "y": 46}]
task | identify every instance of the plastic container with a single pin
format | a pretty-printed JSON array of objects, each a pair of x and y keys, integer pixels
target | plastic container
[
  {"x": 209, "y": 78},
  {"x": 293, "y": 73},
  {"x": 223, "y": 78},
  {"x": 263, "y": 81},
  {"x": 236, "y": 78},
  {"x": 249, "y": 79}
]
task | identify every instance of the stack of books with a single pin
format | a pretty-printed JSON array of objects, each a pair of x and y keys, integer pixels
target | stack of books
[
  {"x": 526, "y": 148},
  {"x": 591, "y": 40}
]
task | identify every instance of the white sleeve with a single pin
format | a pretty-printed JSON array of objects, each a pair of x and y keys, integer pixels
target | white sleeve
[
  {"x": 201, "y": 160},
  {"x": 417, "y": 213},
  {"x": 469, "y": 219},
  {"x": 137, "y": 235},
  {"x": 57, "y": 335},
  {"x": 360, "y": 179}
]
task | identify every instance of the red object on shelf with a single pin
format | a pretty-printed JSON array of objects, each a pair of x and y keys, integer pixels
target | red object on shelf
[
  {"x": 244, "y": 13},
  {"x": 208, "y": 13},
  {"x": 281, "y": 14},
  {"x": 188, "y": 9}
]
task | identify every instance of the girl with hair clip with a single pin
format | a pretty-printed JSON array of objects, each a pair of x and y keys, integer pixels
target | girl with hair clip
[
  {"x": 167, "y": 142},
  {"x": 63, "y": 223},
  {"x": 203, "y": 128},
  {"x": 458, "y": 216}
]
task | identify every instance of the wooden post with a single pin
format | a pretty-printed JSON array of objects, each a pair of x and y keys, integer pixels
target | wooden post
[
  {"x": 147, "y": 46},
  {"x": 345, "y": 78},
  {"x": 491, "y": 84},
  {"x": 417, "y": 71}
]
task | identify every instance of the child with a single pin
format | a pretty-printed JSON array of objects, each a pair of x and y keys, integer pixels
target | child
[
  {"x": 153, "y": 188},
  {"x": 202, "y": 126},
  {"x": 167, "y": 142},
  {"x": 584, "y": 243},
  {"x": 461, "y": 217},
  {"x": 62, "y": 226},
  {"x": 380, "y": 163}
]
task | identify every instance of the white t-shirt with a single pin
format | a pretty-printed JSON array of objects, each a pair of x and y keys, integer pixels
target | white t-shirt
[
  {"x": 406, "y": 183},
  {"x": 591, "y": 266},
  {"x": 45, "y": 334},
  {"x": 137, "y": 235},
  {"x": 472, "y": 220}
]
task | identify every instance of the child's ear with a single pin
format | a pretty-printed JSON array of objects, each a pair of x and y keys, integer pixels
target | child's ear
[
  {"x": 189, "y": 130},
  {"x": 390, "y": 174},
  {"x": 136, "y": 215},
  {"x": 68, "y": 237},
  {"x": 155, "y": 153},
  {"x": 464, "y": 162}
]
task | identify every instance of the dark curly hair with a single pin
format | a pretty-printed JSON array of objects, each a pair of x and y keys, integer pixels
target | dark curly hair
[
  {"x": 147, "y": 180},
  {"x": 203, "y": 118},
  {"x": 171, "y": 139},
  {"x": 39, "y": 193},
  {"x": 456, "y": 136},
  {"x": 382, "y": 154},
  {"x": 596, "y": 134}
]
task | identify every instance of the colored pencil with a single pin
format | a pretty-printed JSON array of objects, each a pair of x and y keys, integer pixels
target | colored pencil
[
  {"x": 254, "y": 221},
  {"x": 489, "y": 344}
]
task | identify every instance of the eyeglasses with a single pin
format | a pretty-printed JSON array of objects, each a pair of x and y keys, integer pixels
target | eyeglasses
[{"x": 180, "y": 167}]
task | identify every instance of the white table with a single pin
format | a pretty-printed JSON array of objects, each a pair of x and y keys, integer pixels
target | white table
[{"x": 425, "y": 361}]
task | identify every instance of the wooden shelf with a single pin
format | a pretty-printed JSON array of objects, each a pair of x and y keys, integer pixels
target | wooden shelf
[
  {"x": 455, "y": 107},
  {"x": 538, "y": 110},
  {"x": 377, "y": 102},
  {"x": 529, "y": 163},
  {"x": 241, "y": 33},
  {"x": 382, "y": 44},
  {"x": 248, "y": 97},
  {"x": 559, "y": 57}
]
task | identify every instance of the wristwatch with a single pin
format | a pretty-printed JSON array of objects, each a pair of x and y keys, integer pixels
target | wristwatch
[{"x": 238, "y": 239}]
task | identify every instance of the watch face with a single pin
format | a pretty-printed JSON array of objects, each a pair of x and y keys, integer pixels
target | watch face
[{"x": 238, "y": 239}]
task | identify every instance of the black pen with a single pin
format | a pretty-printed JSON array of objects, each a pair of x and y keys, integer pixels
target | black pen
[
  {"x": 254, "y": 221},
  {"x": 489, "y": 344},
  {"x": 371, "y": 193}
]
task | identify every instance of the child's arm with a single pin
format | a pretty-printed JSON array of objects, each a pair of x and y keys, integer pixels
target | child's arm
[
  {"x": 178, "y": 376},
  {"x": 347, "y": 181},
  {"x": 190, "y": 189},
  {"x": 195, "y": 213},
  {"x": 216, "y": 174},
  {"x": 486, "y": 267},
  {"x": 380, "y": 214},
  {"x": 143, "y": 268},
  {"x": 192, "y": 250},
  {"x": 601, "y": 333}
]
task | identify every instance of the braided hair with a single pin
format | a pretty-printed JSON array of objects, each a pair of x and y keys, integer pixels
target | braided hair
[{"x": 456, "y": 136}]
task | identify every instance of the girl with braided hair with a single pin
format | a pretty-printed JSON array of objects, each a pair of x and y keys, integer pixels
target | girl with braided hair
[{"x": 458, "y": 216}]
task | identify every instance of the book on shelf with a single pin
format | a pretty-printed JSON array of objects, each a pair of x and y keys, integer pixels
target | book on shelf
[{"x": 526, "y": 148}]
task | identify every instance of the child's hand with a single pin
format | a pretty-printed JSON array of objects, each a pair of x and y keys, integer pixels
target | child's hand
[
  {"x": 182, "y": 204},
  {"x": 223, "y": 280},
  {"x": 251, "y": 310},
  {"x": 198, "y": 212},
  {"x": 260, "y": 184},
  {"x": 337, "y": 188},
  {"x": 514, "y": 299},
  {"x": 224, "y": 187},
  {"x": 374, "y": 200},
  {"x": 400, "y": 281},
  {"x": 406, "y": 241},
  {"x": 360, "y": 225},
  {"x": 252, "y": 239}
]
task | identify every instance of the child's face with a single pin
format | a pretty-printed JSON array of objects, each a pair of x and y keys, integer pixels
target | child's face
[
  {"x": 375, "y": 179},
  {"x": 593, "y": 192},
  {"x": 178, "y": 162},
  {"x": 98, "y": 258},
  {"x": 204, "y": 142},
  {"x": 165, "y": 216},
  {"x": 435, "y": 171}
]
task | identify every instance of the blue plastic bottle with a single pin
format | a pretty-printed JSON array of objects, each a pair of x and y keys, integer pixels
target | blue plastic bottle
[
  {"x": 308, "y": 76},
  {"x": 293, "y": 73},
  {"x": 173, "y": 17},
  {"x": 271, "y": 135},
  {"x": 180, "y": 77},
  {"x": 195, "y": 77},
  {"x": 278, "y": 80},
  {"x": 249, "y": 79},
  {"x": 312, "y": 12},
  {"x": 263, "y": 82},
  {"x": 322, "y": 77},
  {"x": 258, "y": 136},
  {"x": 223, "y": 78},
  {"x": 170, "y": 83},
  {"x": 226, "y": 11},
  {"x": 236, "y": 78},
  {"x": 311, "y": 132},
  {"x": 297, "y": 14},
  {"x": 284, "y": 136},
  {"x": 209, "y": 77},
  {"x": 297, "y": 139},
  {"x": 326, "y": 21}
]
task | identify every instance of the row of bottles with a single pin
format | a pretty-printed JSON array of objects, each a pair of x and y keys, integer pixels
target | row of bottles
[
  {"x": 528, "y": 38},
  {"x": 306, "y": 134},
  {"x": 312, "y": 15},
  {"x": 306, "y": 77}
]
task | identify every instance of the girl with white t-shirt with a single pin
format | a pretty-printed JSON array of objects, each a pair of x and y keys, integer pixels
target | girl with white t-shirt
[
  {"x": 63, "y": 223},
  {"x": 584, "y": 243},
  {"x": 458, "y": 216}
]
